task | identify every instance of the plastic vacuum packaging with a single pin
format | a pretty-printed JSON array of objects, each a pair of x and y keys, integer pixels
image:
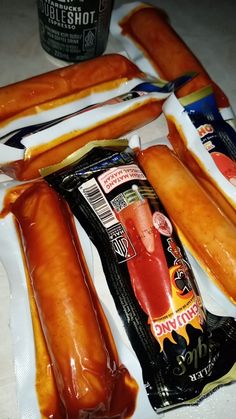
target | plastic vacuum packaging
[
  {"x": 30, "y": 142},
  {"x": 208, "y": 232},
  {"x": 30, "y": 105},
  {"x": 25, "y": 96},
  {"x": 206, "y": 144},
  {"x": 149, "y": 39},
  {"x": 180, "y": 347},
  {"x": 32, "y": 364},
  {"x": 76, "y": 368}
]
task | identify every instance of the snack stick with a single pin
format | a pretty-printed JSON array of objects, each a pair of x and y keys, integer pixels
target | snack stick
[
  {"x": 210, "y": 235},
  {"x": 118, "y": 126},
  {"x": 22, "y": 95},
  {"x": 149, "y": 28},
  {"x": 50, "y": 405},
  {"x": 85, "y": 372}
]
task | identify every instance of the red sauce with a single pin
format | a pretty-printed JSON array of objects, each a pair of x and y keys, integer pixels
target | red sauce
[{"x": 148, "y": 270}]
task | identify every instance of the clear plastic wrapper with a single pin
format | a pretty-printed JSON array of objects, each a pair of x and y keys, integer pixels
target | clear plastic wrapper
[
  {"x": 25, "y": 96},
  {"x": 68, "y": 378},
  {"x": 139, "y": 26},
  {"x": 31, "y": 142},
  {"x": 209, "y": 233}
]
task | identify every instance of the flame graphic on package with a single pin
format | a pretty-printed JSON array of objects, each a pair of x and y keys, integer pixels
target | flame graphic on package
[
  {"x": 185, "y": 309},
  {"x": 169, "y": 308}
]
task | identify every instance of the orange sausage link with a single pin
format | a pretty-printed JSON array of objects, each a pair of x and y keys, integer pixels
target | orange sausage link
[
  {"x": 113, "y": 128},
  {"x": 50, "y": 405},
  {"x": 150, "y": 29},
  {"x": 210, "y": 235},
  {"x": 85, "y": 372},
  {"x": 22, "y": 95}
]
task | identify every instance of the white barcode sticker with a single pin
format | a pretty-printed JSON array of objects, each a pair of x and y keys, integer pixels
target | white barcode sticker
[
  {"x": 118, "y": 236},
  {"x": 98, "y": 202}
]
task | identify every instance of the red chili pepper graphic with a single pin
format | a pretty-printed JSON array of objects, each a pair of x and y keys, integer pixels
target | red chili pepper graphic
[{"x": 148, "y": 269}]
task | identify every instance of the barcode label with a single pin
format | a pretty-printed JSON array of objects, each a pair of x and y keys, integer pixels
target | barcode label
[{"x": 97, "y": 201}]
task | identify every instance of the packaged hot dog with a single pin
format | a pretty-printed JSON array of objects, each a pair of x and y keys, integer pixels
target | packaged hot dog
[
  {"x": 68, "y": 377},
  {"x": 151, "y": 41},
  {"x": 31, "y": 142},
  {"x": 206, "y": 144},
  {"x": 181, "y": 353},
  {"x": 32, "y": 365},
  {"x": 204, "y": 228},
  {"x": 27, "y": 96}
]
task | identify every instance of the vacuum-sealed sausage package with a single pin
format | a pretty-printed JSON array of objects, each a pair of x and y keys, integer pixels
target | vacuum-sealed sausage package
[
  {"x": 65, "y": 354},
  {"x": 112, "y": 105},
  {"x": 206, "y": 229},
  {"x": 179, "y": 345},
  {"x": 139, "y": 26}
]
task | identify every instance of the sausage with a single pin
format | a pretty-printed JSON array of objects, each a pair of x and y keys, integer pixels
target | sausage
[
  {"x": 85, "y": 377},
  {"x": 134, "y": 118},
  {"x": 55, "y": 84},
  {"x": 149, "y": 28},
  {"x": 50, "y": 405},
  {"x": 210, "y": 235}
]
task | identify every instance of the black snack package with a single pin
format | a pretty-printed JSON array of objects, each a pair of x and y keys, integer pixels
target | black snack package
[{"x": 181, "y": 353}]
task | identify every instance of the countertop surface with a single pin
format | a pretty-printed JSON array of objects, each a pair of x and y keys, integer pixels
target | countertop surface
[{"x": 209, "y": 28}]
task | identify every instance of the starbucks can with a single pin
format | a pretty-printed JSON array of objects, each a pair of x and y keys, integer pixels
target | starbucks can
[{"x": 74, "y": 30}]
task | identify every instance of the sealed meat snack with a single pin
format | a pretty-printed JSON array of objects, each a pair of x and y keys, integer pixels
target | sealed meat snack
[
  {"x": 33, "y": 366},
  {"x": 26, "y": 96},
  {"x": 147, "y": 272},
  {"x": 208, "y": 232},
  {"x": 77, "y": 347},
  {"x": 206, "y": 144},
  {"x": 45, "y": 134},
  {"x": 147, "y": 33}
]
